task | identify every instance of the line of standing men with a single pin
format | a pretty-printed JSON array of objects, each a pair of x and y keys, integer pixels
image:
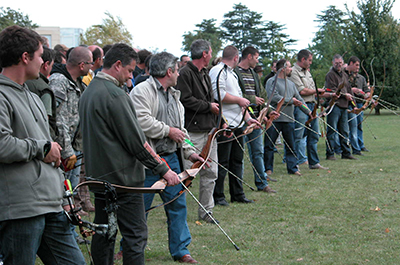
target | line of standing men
[{"x": 124, "y": 135}]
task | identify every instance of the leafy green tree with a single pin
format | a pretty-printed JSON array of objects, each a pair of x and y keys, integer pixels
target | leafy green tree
[
  {"x": 9, "y": 17},
  {"x": 243, "y": 27},
  {"x": 207, "y": 30},
  {"x": 111, "y": 31},
  {"x": 275, "y": 43},
  {"x": 376, "y": 34},
  {"x": 369, "y": 32},
  {"x": 331, "y": 38}
]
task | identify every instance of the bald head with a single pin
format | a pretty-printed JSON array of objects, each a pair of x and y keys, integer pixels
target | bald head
[
  {"x": 79, "y": 62},
  {"x": 93, "y": 47},
  {"x": 79, "y": 54},
  {"x": 98, "y": 55}
]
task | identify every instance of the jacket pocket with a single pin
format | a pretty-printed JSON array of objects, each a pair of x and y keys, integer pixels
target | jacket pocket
[{"x": 48, "y": 186}]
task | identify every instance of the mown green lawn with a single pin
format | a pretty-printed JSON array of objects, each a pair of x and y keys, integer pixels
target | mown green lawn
[{"x": 345, "y": 215}]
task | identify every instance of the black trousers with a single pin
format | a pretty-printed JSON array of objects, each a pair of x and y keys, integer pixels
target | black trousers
[
  {"x": 230, "y": 156},
  {"x": 132, "y": 225}
]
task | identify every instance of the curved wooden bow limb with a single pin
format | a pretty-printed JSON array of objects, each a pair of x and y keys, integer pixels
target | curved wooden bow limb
[
  {"x": 373, "y": 86},
  {"x": 314, "y": 111},
  {"x": 365, "y": 71},
  {"x": 368, "y": 100},
  {"x": 249, "y": 129},
  {"x": 313, "y": 114},
  {"x": 366, "y": 104},
  {"x": 158, "y": 187},
  {"x": 205, "y": 152},
  {"x": 278, "y": 110},
  {"x": 332, "y": 102},
  {"x": 264, "y": 111}
]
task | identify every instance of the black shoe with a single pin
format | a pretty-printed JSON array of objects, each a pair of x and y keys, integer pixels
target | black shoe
[
  {"x": 221, "y": 202},
  {"x": 243, "y": 200},
  {"x": 349, "y": 157},
  {"x": 364, "y": 149},
  {"x": 331, "y": 157},
  {"x": 358, "y": 154}
]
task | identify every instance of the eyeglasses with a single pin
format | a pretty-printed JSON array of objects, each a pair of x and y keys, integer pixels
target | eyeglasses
[{"x": 92, "y": 63}]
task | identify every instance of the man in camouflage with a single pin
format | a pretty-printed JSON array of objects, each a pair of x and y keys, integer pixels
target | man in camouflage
[
  {"x": 67, "y": 85},
  {"x": 66, "y": 82}
]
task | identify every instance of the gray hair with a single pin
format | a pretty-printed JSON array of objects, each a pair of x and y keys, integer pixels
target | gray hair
[
  {"x": 198, "y": 47},
  {"x": 337, "y": 56},
  {"x": 161, "y": 62}
]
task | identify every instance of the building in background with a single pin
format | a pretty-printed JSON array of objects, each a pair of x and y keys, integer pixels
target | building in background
[{"x": 70, "y": 37}]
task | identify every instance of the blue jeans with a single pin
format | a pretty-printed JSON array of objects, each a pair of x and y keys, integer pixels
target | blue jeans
[
  {"x": 287, "y": 129},
  {"x": 256, "y": 153},
  {"x": 360, "y": 119},
  {"x": 299, "y": 136},
  {"x": 178, "y": 231},
  {"x": 46, "y": 235},
  {"x": 353, "y": 134},
  {"x": 338, "y": 120},
  {"x": 311, "y": 137},
  {"x": 337, "y": 147}
]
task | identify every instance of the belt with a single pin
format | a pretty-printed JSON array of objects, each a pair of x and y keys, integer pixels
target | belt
[{"x": 165, "y": 154}]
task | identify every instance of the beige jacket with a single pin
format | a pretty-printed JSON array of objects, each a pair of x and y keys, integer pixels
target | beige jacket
[{"x": 145, "y": 100}]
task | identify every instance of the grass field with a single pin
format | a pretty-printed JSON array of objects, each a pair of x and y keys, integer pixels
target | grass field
[{"x": 345, "y": 215}]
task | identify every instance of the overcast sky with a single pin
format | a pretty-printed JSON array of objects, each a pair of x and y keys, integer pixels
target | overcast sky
[{"x": 161, "y": 24}]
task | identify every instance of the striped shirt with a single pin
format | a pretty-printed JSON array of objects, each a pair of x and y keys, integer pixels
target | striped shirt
[{"x": 249, "y": 84}]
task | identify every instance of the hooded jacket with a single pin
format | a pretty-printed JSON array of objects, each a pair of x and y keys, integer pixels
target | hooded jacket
[
  {"x": 67, "y": 93},
  {"x": 28, "y": 186}
]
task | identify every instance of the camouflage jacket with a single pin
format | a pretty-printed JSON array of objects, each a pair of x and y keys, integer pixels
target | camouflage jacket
[{"x": 67, "y": 94}]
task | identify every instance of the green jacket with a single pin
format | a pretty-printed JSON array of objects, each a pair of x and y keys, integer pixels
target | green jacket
[
  {"x": 113, "y": 141},
  {"x": 40, "y": 87},
  {"x": 28, "y": 186}
]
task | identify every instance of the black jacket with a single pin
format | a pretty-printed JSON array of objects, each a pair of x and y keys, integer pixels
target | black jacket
[{"x": 196, "y": 97}]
